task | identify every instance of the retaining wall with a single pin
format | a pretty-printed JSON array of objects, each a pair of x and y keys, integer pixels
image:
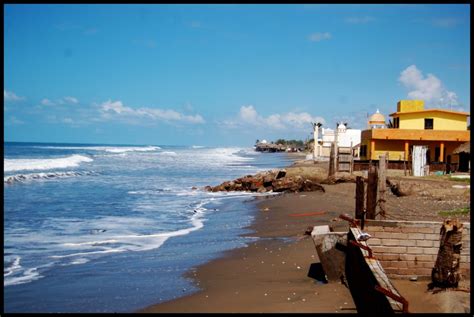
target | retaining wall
[{"x": 408, "y": 248}]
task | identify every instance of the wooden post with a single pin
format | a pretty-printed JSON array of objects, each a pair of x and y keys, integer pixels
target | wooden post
[
  {"x": 381, "y": 183},
  {"x": 445, "y": 273},
  {"x": 371, "y": 193},
  {"x": 406, "y": 159},
  {"x": 331, "y": 160},
  {"x": 351, "y": 166},
  {"x": 360, "y": 193}
]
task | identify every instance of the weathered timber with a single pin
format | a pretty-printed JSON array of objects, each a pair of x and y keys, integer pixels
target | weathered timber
[
  {"x": 445, "y": 273},
  {"x": 395, "y": 189},
  {"x": 381, "y": 184},
  {"x": 360, "y": 193},
  {"x": 371, "y": 193}
]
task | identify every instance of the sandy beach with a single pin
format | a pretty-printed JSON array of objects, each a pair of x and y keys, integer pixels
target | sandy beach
[{"x": 271, "y": 275}]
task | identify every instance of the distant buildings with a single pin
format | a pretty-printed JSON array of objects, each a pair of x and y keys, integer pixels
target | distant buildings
[
  {"x": 325, "y": 137},
  {"x": 440, "y": 131}
]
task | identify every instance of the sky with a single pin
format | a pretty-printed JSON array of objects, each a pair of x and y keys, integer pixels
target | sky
[{"x": 224, "y": 75}]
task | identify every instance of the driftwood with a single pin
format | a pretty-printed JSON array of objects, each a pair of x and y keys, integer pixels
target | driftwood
[
  {"x": 395, "y": 188},
  {"x": 445, "y": 273}
]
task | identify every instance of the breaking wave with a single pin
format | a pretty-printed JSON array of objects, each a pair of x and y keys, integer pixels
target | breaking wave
[
  {"x": 44, "y": 164},
  {"x": 110, "y": 149},
  {"x": 41, "y": 176}
]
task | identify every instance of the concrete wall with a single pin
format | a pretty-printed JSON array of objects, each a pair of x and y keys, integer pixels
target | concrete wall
[
  {"x": 410, "y": 105},
  {"x": 407, "y": 248},
  {"x": 441, "y": 120}
]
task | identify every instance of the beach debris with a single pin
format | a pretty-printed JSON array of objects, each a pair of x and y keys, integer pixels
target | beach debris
[
  {"x": 266, "y": 209},
  {"x": 364, "y": 236},
  {"x": 395, "y": 189},
  {"x": 331, "y": 180},
  {"x": 414, "y": 278},
  {"x": 269, "y": 181}
]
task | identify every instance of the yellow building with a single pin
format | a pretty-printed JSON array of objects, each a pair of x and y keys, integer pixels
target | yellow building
[{"x": 439, "y": 129}]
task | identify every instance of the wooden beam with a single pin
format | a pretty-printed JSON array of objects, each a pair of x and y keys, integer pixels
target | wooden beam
[
  {"x": 360, "y": 193},
  {"x": 371, "y": 193},
  {"x": 381, "y": 183}
]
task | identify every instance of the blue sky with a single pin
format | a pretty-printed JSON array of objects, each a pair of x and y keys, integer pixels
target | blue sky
[{"x": 223, "y": 74}]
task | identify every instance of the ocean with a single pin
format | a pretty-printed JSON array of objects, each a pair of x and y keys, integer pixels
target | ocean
[{"x": 113, "y": 228}]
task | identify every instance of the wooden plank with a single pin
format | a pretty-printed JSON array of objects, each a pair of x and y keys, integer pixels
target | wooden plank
[
  {"x": 381, "y": 184},
  {"x": 331, "y": 160},
  {"x": 371, "y": 193},
  {"x": 379, "y": 273},
  {"x": 360, "y": 190}
]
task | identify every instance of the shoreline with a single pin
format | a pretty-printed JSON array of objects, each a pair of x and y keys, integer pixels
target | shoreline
[{"x": 270, "y": 274}]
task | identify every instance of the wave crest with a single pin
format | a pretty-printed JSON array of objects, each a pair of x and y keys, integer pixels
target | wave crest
[
  {"x": 44, "y": 164},
  {"x": 39, "y": 176}
]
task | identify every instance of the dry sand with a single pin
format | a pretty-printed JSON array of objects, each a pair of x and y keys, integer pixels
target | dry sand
[{"x": 271, "y": 275}]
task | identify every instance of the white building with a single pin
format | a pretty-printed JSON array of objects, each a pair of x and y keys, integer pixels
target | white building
[{"x": 325, "y": 137}]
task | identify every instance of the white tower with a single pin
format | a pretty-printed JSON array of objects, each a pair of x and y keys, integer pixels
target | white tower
[{"x": 316, "y": 149}]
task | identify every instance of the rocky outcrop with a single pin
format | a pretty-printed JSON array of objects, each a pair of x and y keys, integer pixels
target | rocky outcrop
[{"x": 275, "y": 180}]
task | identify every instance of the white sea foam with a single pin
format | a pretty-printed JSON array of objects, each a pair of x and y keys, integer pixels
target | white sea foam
[
  {"x": 42, "y": 176},
  {"x": 79, "y": 261},
  {"x": 197, "y": 146},
  {"x": 131, "y": 241},
  {"x": 169, "y": 153},
  {"x": 111, "y": 149},
  {"x": 44, "y": 164},
  {"x": 28, "y": 276},
  {"x": 15, "y": 266}
]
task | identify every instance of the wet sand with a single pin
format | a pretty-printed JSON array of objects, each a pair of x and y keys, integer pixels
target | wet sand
[{"x": 271, "y": 275}]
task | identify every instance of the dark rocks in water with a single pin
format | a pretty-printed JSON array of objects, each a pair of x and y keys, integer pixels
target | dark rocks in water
[{"x": 268, "y": 181}]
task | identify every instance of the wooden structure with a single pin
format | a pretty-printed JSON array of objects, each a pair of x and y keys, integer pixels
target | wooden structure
[
  {"x": 371, "y": 204},
  {"x": 446, "y": 270},
  {"x": 344, "y": 159},
  {"x": 463, "y": 151},
  {"x": 371, "y": 289}
]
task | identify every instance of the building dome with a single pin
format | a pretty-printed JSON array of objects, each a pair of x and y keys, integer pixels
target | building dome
[
  {"x": 377, "y": 120},
  {"x": 377, "y": 117}
]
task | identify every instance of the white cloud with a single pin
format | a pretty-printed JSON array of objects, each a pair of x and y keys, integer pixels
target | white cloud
[
  {"x": 360, "y": 20},
  {"x": 116, "y": 108},
  {"x": 317, "y": 37},
  {"x": 47, "y": 102},
  {"x": 429, "y": 88},
  {"x": 446, "y": 22},
  {"x": 62, "y": 101},
  {"x": 248, "y": 116},
  {"x": 70, "y": 100},
  {"x": 11, "y": 96},
  {"x": 14, "y": 121}
]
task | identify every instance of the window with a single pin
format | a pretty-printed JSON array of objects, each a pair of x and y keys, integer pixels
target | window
[
  {"x": 428, "y": 124},
  {"x": 396, "y": 122}
]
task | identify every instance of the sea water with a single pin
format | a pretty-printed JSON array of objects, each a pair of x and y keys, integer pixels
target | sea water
[{"x": 113, "y": 228}]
